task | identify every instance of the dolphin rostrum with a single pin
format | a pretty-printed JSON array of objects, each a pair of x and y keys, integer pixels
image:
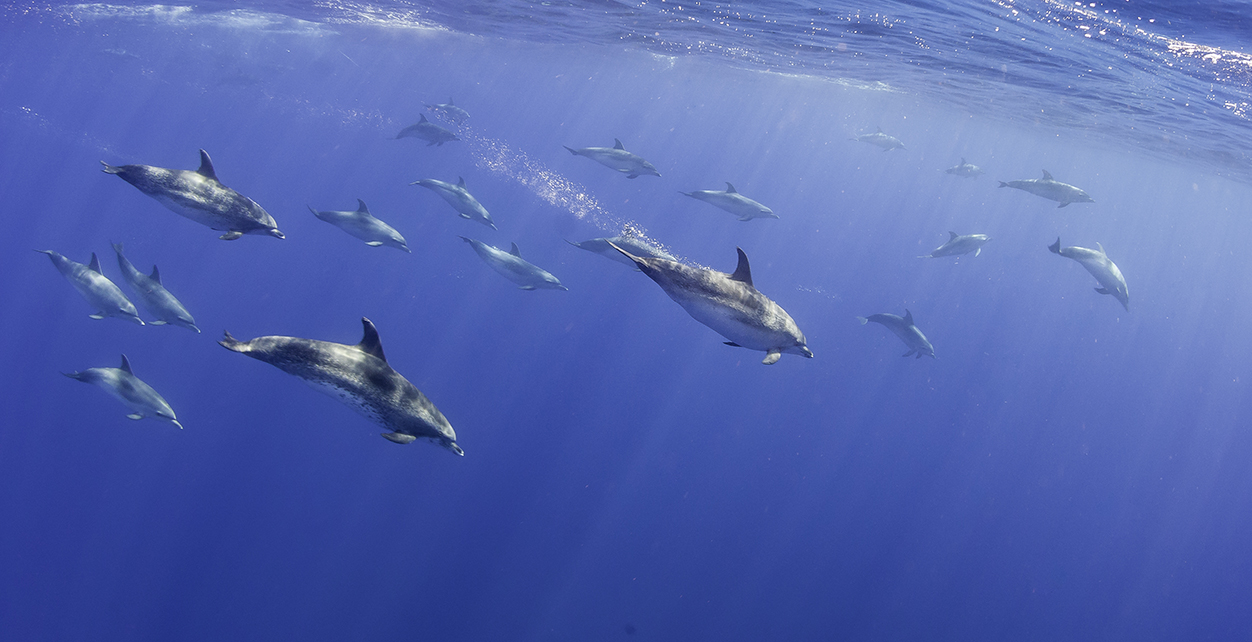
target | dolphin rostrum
[
  {"x": 880, "y": 140},
  {"x": 958, "y": 245},
  {"x": 966, "y": 170},
  {"x": 1053, "y": 190},
  {"x": 138, "y": 396},
  {"x": 1098, "y": 264},
  {"x": 361, "y": 378},
  {"x": 729, "y": 304},
  {"x": 903, "y": 327},
  {"x": 618, "y": 159},
  {"x": 744, "y": 208},
  {"x": 431, "y": 133},
  {"x": 513, "y": 267},
  {"x": 152, "y": 294},
  {"x": 459, "y": 198},
  {"x": 627, "y": 241},
  {"x": 450, "y": 112},
  {"x": 101, "y": 293},
  {"x": 199, "y": 196},
  {"x": 364, "y": 226}
]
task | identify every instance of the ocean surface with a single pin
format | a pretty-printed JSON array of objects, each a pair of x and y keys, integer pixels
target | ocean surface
[{"x": 1064, "y": 469}]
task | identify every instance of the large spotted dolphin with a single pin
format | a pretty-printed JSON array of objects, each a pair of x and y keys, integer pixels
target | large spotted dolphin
[
  {"x": 904, "y": 328},
  {"x": 729, "y": 304},
  {"x": 151, "y": 293},
  {"x": 102, "y": 294},
  {"x": 618, "y": 159},
  {"x": 199, "y": 196},
  {"x": 138, "y": 396},
  {"x": 1051, "y": 189},
  {"x": 1098, "y": 264},
  {"x": 361, "y": 378}
]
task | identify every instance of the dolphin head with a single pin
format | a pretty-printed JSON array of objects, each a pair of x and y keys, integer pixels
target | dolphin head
[{"x": 649, "y": 168}]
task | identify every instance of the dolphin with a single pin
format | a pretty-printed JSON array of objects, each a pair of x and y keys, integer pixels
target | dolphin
[
  {"x": 729, "y": 304},
  {"x": 450, "y": 112},
  {"x": 200, "y": 197},
  {"x": 459, "y": 198},
  {"x": 138, "y": 396},
  {"x": 879, "y": 139},
  {"x": 361, "y": 378},
  {"x": 1050, "y": 189},
  {"x": 100, "y": 292},
  {"x": 364, "y": 226},
  {"x": 513, "y": 267},
  {"x": 618, "y": 159},
  {"x": 966, "y": 170},
  {"x": 958, "y": 245},
  {"x": 903, "y": 327},
  {"x": 431, "y": 133},
  {"x": 152, "y": 294},
  {"x": 626, "y": 241},
  {"x": 1098, "y": 264},
  {"x": 732, "y": 201}
]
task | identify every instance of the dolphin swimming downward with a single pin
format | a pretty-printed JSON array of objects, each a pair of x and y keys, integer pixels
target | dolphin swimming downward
[
  {"x": 122, "y": 383},
  {"x": 152, "y": 294},
  {"x": 903, "y": 327},
  {"x": 101, "y": 293},
  {"x": 1098, "y": 264}
]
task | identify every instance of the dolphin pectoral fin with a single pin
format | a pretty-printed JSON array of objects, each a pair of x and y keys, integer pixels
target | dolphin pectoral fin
[
  {"x": 399, "y": 438},
  {"x": 134, "y": 416},
  {"x": 464, "y": 216},
  {"x": 157, "y": 322},
  {"x": 97, "y": 316},
  {"x": 926, "y": 256},
  {"x": 909, "y": 353},
  {"x": 526, "y": 287},
  {"x": 772, "y": 357},
  {"x": 633, "y": 176},
  {"x": 919, "y": 356},
  {"x": 978, "y": 251},
  {"x": 374, "y": 243},
  {"x": 1063, "y": 204},
  {"x": 732, "y": 343},
  {"x": 175, "y": 422},
  {"x": 231, "y": 235},
  {"x": 1103, "y": 290}
]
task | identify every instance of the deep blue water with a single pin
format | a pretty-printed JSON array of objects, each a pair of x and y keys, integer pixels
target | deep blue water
[{"x": 1065, "y": 470}]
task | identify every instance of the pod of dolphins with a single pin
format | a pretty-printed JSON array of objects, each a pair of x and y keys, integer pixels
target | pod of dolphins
[{"x": 360, "y": 376}]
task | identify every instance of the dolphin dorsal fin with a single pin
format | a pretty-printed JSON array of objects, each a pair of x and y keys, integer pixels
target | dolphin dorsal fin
[
  {"x": 423, "y": 120},
  {"x": 730, "y": 189},
  {"x": 370, "y": 344},
  {"x": 450, "y": 101},
  {"x": 1047, "y": 176},
  {"x": 361, "y": 208},
  {"x": 617, "y": 144},
  {"x": 206, "y": 166},
  {"x": 126, "y": 365},
  {"x": 460, "y": 181},
  {"x": 963, "y": 161},
  {"x": 1101, "y": 248},
  {"x": 94, "y": 265},
  {"x": 743, "y": 271},
  {"x": 908, "y": 316},
  {"x": 954, "y": 235},
  {"x": 515, "y": 252},
  {"x": 156, "y": 274}
]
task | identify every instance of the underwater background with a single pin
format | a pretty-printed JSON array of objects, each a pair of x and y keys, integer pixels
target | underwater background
[{"x": 1064, "y": 469}]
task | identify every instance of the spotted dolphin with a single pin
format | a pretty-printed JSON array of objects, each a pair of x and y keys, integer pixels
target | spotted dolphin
[
  {"x": 364, "y": 226},
  {"x": 360, "y": 377},
  {"x": 618, "y": 159},
  {"x": 138, "y": 396},
  {"x": 450, "y": 112},
  {"x": 151, "y": 293},
  {"x": 459, "y": 198},
  {"x": 101, "y": 293},
  {"x": 880, "y": 140},
  {"x": 966, "y": 170},
  {"x": 431, "y": 133},
  {"x": 958, "y": 245},
  {"x": 513, "y": 267},
  {"x": 729, "y": 304},
  {"x": 1098, "y": 264},
  {"x": 903, "y": 327},
  {"x": 1051, "y": 189},
  {"x": 744, "y": 208},
  {"x": 199, "y": 196}
]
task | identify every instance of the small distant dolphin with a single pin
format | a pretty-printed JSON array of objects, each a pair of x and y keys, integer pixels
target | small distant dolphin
[
  {"x": 879, "y": 139},
  {"x": 729, "y": 304},
  {"x": 903, "y": 327},
  {"x": 513, "y": 267},
  {"x": 958, "y": 245},
  {"x": 431, "y": 133},
  {"x": 200, "y": 197},
  {"x": 152, "y": 294},
  {"x": 732, "y": 201},
  {"x": 100, "y": 292},
  {"x": 450, "y": 112},
  {"x": 618, "y": 159},
  {"x": 1098, "y": 264},
  {"x": 138, "y": 396},
  {"x": 626, "y": 241},
  {"x": 966, "y": 170},
  {"x": 361, "y": 378},
  {"x": 459, "y": 198},
  {"x": 364, "y": 226},
  {"x": 1050, "y": 189}
]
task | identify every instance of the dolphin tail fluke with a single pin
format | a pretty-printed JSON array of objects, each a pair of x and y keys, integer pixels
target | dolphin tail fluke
[
  {"x": 863, "y": 320},
  {"x": 1003, "y": 184},
  {"x": 571, "y": 150},
  {"x": 231, "y": 343},
  {"x": 76, "y": 376},
  {"x": 1055, "y": 248},
  {"x": 110, "y": 169},
  {"x": 925, "y": 256}
]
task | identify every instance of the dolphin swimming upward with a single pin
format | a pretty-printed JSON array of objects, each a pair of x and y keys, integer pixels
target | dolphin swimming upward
[
  {"x": 1053, "y": 190},
  {"x": 1098, "y": 264},
  {"x": 729, "y": 304},
  {"x": 360, "y": 377}
]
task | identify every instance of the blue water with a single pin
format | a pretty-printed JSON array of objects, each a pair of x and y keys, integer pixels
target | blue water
[{"x": 1064, "y": 470}]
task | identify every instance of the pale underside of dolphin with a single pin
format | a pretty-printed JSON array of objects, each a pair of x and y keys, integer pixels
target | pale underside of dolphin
[
  {"x": 730, "y": 200},
  {"x": 1051, "y": 189},
  {"x": 198, "y": 195},
  {"x": 904, "y": 328},
  {"x": 729, "y": 304},
  {"x": 958, "y": 245},
  {"x": 1101, "y": 267},
  {"x": 360, "y": 377},
  {"x": 152, "y": 295},
  {"x": 363, "y": 225},
  {"x": 123, "y": 385},
  {"x": 100, "y": 293},
  {"x": 618, "y": 159}
]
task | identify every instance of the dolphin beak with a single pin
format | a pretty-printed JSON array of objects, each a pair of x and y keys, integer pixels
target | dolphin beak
[{"x": 276, "y": 234}]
